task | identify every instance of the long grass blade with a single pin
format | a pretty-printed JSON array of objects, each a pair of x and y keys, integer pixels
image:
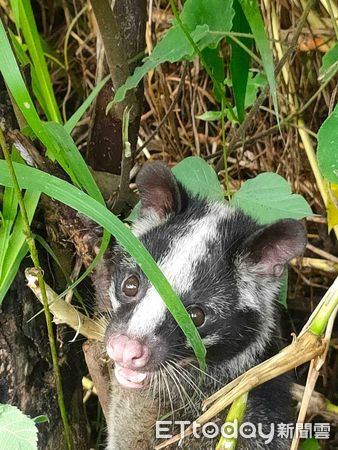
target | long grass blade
[
  {"x": 254, "y": 18},
  {"x": 16, "y": 248},
  {"x": 73, "y": 197},
  {"x": 73, "y": 120},
  {"x": 32, "y": 39},
  {"x": 52, "y": 135}
]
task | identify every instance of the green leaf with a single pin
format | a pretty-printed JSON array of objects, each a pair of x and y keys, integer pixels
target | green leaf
[
  {"x": 327, "y": 151},
  {"x": 310, "y": 444},
  {"x": 255, "y": 83},
  {"x": 40, "y": 419},
  {"x": 240, "y": 60},
  {"x": 8, "y": 214},
  {"x": 32, "y": 39},
  {"x": 53, "y": 136},
  {"x": 199, "y": 178},
  {"x": 268, "y": 197},
  {"x": 213, "y": 59},
  {"x": 66, "y": 151},
  {"x": 73, "y": 120},
  {"x": 206, "y": 29},
  {"x": 254, "y": 18},
  {"x": 16, "y": 85},
  {"x": 11, "y": 272},
  {"x": 329, "y": 66},
  {"x": 17, "y": 431},
  {"x": 68, "y": 194},
  {"x": 17, "y": 249},
  {"x": 210, "y": 116},
  {"x": 216, "y": 14}
]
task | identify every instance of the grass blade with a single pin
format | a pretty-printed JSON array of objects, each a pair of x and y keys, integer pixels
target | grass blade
[
  {"x": 73, "y": 197},
  {"x": 8, "y": 279},
  {"x": 32, "y": 39},
  {"x": 73, "y": 120},
  {"x": 53, "y": 136},
  {"x": 254, "y": 18},
  {"x": 17, "y": 247},
  {"x": 65, "y": 150},
  {"x": 9, "y": 210},
  {"x": 240, "y": 60}
]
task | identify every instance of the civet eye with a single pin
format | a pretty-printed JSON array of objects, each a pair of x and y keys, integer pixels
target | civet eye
[
  {"x": 197, "y": 315},
  {"x": 130, "y": 286}
]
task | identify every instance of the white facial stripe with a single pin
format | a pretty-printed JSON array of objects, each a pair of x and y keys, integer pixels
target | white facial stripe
[
  {"x": 179, "y": 267},
  {"x": 144, "y": 224},
  {"x": 114, "y": 302}
]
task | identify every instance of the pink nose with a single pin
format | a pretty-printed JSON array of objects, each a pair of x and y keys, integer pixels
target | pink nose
[{"x": 129, "y": 353}]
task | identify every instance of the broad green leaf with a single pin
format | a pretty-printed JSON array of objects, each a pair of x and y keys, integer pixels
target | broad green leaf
[
  {"x": 70, "y": 195},
  {"x": 268, "y": 197},
  {"x": 17, "y": 431},
  {"x": 73, "y": 120},
  {"x": 329, "y": 64},
  {"x": 310, "y": 444},
  {"x": 240, "y": 60},
  {"x": 217, "y": 14},
  {"x": 327, "y": 151},
  {"x": 173, "y": 47},
  {"x": 254, "y": 18},
  {"x": 199, "y": 178},
  {"x": 32, "y": 39},
  {"x": 206, "y": 29}
]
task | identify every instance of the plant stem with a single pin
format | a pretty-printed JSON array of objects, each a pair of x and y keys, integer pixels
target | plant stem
[
  {"x": 236, "y": 413},
  {"x": 327, "y": 306},
  {"x": 225, "y": 152},
  {"x": 35, "y": 258}
]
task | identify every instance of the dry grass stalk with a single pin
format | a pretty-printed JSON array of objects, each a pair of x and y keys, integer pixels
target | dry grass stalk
[
  {"x": 301, "y": 350},
  {"x": 64, "y": 312}
]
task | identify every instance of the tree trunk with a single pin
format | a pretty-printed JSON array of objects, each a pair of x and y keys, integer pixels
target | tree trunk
[{"x": 26, "y": 373}]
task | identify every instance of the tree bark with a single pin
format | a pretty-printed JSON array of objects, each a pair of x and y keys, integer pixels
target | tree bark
[
  {"x": 26, "y": 373},
  {"x": 123, "y": 35}
]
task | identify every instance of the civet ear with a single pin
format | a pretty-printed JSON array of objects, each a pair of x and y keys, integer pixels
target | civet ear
[
  {"x": 272, "y": 247},
  {"x": 159, "y": 190}
]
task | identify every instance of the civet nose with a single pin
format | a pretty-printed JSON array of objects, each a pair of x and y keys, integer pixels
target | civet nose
[{"x": 129, "y": 353}]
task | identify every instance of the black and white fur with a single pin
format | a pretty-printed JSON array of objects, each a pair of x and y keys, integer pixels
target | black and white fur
[{"x": 218, "y": 258}]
